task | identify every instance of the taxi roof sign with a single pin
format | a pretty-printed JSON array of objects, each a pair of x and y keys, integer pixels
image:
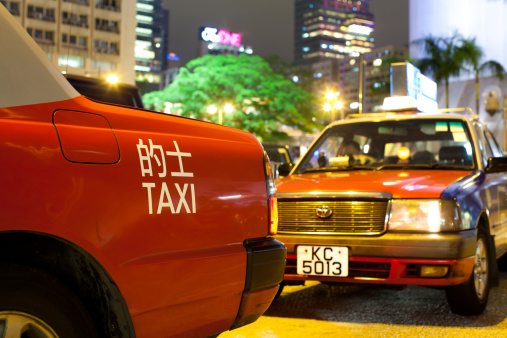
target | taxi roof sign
[{"x": 410, "y": 89}]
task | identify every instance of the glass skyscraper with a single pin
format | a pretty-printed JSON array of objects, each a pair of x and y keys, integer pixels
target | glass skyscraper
[
  {"x": 331, "y": 29},
  {"x": 151, "y": 46}
]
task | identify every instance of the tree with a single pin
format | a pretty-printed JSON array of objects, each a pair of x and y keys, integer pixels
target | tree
[
  {"x": 263, "y": 100},
  {"x": 473, "y": 55},
  {"x": 444, "y": 59}
]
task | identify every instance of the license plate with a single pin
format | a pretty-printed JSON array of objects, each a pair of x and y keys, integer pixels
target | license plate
[{"x": 323, "y": 260}]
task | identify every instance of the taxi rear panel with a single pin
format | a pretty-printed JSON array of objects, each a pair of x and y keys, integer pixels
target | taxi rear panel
[{"x": 177, "y": 185}]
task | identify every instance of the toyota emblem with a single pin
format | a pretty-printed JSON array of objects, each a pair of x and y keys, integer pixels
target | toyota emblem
[{"x": 323, "y": 211}]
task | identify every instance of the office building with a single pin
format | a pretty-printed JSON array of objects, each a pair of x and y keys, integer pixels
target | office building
[
  {"x": 331, "y": 29},
  {"x": 152, "y": 44},
  {"x": 484, "y": 20},
  {"x": 376, "y": 81},
  {"x": 83, "y": 37}
]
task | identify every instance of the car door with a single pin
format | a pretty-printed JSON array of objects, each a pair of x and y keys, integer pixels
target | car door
[{"x": 499, "y": 193}]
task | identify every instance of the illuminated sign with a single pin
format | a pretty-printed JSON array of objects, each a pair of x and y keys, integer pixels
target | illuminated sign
[
  {"x": 212, "y": 34},
  {"x": 172, "y": 56},
  {"x": 411, "y": 87},
  {"x": 359, "y": 29}
]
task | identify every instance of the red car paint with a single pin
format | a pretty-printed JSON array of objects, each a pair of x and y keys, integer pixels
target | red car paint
[{"x": 169, "y": 208}]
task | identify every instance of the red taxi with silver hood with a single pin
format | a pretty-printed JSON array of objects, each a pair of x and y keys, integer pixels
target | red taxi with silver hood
[
  {"x": 124, "y": 222},
  {"x": 399, "y": 198}
]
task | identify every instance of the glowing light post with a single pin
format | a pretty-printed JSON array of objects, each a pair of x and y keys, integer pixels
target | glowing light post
[
  {"x": 112, "y": 78},
  {"x": 504, "y": 124},
  {"x": 334, "y": 105},
  {"x": 212, "y": 109}
]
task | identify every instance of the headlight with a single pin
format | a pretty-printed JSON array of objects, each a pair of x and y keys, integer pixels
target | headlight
[{"x": 430, "y": 215}]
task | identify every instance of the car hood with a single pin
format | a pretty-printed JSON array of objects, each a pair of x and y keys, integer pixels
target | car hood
[{"x": 399, "y": 183}]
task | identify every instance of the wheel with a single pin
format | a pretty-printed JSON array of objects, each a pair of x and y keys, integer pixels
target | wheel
[
  {"x": 502, "y": 263},
  {"x": 471, "y": 298},
  {"x": 35, "y": 304},
  {"x": 279, "y": 292}
]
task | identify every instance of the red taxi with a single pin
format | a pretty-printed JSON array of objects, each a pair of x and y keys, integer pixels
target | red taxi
[
  {"x": 406, "y": 198},
  {"x": 124, "y": 222}
]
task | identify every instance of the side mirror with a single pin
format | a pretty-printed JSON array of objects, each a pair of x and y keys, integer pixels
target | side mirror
[
  {"x": 496, "y": 165},
  {"x": 284, "y": 169}
]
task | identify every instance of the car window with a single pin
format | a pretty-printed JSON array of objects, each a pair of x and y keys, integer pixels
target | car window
[
  {"x": 484, "y": 151},
  {"x": 328, "y": 146},
  {"x": 118, "y": 94},
  {"x": 495, "y": 149},
  {"x": 280, "y": 155},
  {"x": 415, "y": 143}
]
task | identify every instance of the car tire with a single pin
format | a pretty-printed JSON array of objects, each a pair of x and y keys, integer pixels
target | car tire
[
  {"x": 279, "y": 292},
  {"x": 471, "y": 298},
  {"x": 35, "y": 304},
  {"x": 502, "y": 263}
]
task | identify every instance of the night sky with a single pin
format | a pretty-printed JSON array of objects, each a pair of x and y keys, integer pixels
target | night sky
[{"x": 266, "y": 25}]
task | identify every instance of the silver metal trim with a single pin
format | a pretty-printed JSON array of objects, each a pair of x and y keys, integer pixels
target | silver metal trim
[
  {"x": 465, "y": 110},
  {"x": 350, "y": 196},
  {"x": 332, "y": 233},
  {"x": 335, "y": 194}
]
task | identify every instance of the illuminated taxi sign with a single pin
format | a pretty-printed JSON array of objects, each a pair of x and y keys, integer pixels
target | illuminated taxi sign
[
  {"x": 410, "y": 89},
  {"x": 400, "y": 103}
]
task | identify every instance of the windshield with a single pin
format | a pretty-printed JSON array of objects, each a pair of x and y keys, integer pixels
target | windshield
[{"x": 411, "y": 144}]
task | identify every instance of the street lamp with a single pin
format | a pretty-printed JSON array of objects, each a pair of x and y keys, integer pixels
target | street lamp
[
  {"x": 333, "y": 105},
  {"x": 212, "y": 109},
  {"x": 228, "y": 108},
  {"x": 112, "y": 78},
  {"x": 330, "y": 95}
]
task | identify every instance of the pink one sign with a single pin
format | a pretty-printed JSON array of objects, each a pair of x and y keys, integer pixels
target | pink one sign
[{"x": 221, "y": 36}]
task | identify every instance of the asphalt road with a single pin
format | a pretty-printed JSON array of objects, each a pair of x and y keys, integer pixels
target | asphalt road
[{"x": 317, "y": 310}]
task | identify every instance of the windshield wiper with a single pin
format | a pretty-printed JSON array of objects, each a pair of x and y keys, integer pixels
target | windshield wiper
[
  {"x": 340, "y": 168},
  {"x": 422, "y": 166}
]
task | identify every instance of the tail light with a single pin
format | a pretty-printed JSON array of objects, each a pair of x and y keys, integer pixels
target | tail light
[{"x": 271, "y": 190}]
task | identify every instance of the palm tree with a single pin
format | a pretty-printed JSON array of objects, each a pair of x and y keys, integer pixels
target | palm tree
[
  {"x": 444, "y": 59},
  {"x": 473, "y": 55}
]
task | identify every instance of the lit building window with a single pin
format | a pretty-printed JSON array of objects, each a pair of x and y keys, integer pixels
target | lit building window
[
  {"x": 71, "y": 61},
  {"x": 145, "y": 7},
  {"x": 144, "y": 31},
  {"x": 144, "y": 18}
]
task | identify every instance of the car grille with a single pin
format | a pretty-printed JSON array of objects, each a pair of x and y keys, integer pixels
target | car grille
[{"x": 348, "y": 217}]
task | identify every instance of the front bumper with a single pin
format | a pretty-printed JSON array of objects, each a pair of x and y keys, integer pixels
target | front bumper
[
  {"x": 392, "y": 258},
  {"x": 266, "y": 259}
]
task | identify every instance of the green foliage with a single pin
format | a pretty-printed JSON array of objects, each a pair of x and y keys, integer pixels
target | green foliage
[
  {"x": 473, "y": 54},
  {"x": 444, "y": 59},
  {"x": 263, "y": 99},
  {"x": 448, "y": 56}
]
